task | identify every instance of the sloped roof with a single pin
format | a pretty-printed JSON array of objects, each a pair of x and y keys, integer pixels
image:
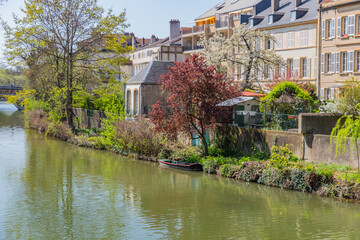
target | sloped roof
[
  {"x": 286, "y": 6},
  {"x": 229, "y": 6},
  {"x": 235, "y": 101},
  {"x": 150, "y": 74}
]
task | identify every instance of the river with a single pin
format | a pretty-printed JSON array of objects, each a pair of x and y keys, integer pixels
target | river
[{"x": 53, "y": 190}]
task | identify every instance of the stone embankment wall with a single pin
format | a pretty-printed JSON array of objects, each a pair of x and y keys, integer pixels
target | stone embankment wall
[{"x": 312, "y": 142}]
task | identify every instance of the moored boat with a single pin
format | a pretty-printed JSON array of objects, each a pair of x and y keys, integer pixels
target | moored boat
[{"x": 180, "y": 165}]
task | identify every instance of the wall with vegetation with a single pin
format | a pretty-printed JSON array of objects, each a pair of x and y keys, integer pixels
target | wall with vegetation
[{"x": 89, "y": 118}]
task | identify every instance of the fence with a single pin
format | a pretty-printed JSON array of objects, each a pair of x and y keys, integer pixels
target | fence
[{"x": 282, "y": 122}]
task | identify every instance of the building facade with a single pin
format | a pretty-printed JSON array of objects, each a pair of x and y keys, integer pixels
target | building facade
[
  {"x": 167, "y": 49},
  {"x": 339, "y": 45}
]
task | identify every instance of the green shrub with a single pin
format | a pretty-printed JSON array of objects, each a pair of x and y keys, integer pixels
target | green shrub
[
  {"x": 209, "y": 165},
  {"x": 191, "y": 154},
  {"x": 351, "y": 177},
  {"x": 298, "y": 177},
  {"x": 281, "y": 157},
  {"x": 216, "y": 152},
  {"x": 225, "y": 170}
]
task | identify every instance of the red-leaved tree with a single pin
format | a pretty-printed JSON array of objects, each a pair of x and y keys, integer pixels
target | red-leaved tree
[{"x": 192, "y": 90}]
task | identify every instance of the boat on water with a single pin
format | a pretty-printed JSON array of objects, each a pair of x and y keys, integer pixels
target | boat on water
[{"x": 180, "y": 165}]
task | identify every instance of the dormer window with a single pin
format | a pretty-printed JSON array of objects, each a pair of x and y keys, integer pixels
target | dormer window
[
  {"x": 293, "y": 16},
  {"x": 251, "y": 22},
  {"x": 271, "y": 19}
]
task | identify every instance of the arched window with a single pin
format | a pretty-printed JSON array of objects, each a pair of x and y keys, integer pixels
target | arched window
[
  {"x": 128, "y": 101},
  {"x": 136, "y": 102}
]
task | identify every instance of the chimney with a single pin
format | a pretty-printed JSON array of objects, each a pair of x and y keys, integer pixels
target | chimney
[
  {"x": 175, "y": 30},
  {"x": 133, "y": 41},
  {"x": 275, "y": 5},
  {"x": 297, "y": 3},
  {"x": 153, "y": 39},
  {"x": 143, "y": 41}
]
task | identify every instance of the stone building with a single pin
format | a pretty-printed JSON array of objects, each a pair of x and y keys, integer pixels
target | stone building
[
  {"x": 339, "y": 44},
  {"x": 143, "y": 89}
]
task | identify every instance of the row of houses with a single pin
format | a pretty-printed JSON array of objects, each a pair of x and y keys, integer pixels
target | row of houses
[{"x": 318, "y": 40}]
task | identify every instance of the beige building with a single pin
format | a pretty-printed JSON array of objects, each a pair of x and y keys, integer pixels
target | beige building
[
  {"x": 294, "y": 24},
  {"x": 339, "y": 45},
  {"x": 167, "y": 49}
]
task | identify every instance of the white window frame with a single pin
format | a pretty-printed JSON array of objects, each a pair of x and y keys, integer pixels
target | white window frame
[{"x": 290, "y": 39}]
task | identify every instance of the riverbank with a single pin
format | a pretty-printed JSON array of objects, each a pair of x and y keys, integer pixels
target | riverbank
[{"x": 281, "y": 169}]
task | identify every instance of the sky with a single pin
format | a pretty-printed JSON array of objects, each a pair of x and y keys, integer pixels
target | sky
[{"x": 146, "y": 17}]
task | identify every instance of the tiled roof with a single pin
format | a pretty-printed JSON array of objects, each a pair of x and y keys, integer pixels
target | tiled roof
[
  {"x": 286, "y": 6},
  {"x": 150, "y": 74},
  {"x": 229, "y": 6}
]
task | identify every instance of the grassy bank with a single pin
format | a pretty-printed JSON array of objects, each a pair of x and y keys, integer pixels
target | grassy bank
[{"x": 279, "y": 169}]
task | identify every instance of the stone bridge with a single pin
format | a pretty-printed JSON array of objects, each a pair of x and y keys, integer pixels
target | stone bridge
[{"x": 8, "y": 90}]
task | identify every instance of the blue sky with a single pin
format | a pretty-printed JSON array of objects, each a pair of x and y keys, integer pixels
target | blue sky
[{"x": 146, "y": 17}]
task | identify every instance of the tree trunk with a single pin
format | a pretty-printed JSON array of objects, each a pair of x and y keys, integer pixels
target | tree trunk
[{"x": 205, "y": 144}]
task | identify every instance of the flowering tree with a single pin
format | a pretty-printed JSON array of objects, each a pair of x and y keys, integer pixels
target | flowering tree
[
  {"x": 242, "y": 50},
  {"x": 192, "y": 91}
]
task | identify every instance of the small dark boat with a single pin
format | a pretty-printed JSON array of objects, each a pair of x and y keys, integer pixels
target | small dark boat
[{"x": 180, "y": 165}]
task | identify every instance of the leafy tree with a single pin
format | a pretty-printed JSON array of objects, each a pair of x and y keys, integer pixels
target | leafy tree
[
  {"x": 347, "y": 130},
  {"x": 11, "y": 77},
  {"x": 192, "y": 90},
  {"x": 286, "y": 98},
  {"x": 242, "y": 50},
  {"x": 347, "y": 101},
  {"x": 57, "y": 39}
]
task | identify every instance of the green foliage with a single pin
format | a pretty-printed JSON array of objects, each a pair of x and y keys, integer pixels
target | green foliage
[
  {"x": 215, "y": 151},
  {"x": 349, "y": 176},
  {"x": 281, "y": 157},
  {"x": 187, "y": 154},
  {"x": 225, "y": 170},
  {"x": 286, "y": 98}
]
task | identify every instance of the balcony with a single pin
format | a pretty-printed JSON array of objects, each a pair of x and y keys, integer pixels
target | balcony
[
  {"x": 190, "y": 48},
  {"x": 187, "y": 31},
  {"x": 221, "y": 24},
  {"x": 199, "y": 29}
]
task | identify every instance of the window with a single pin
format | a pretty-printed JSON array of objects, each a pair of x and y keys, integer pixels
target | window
[
  {"x": 270, "y": 19},
  {"x": 328, "y": 62},
  {"x": 251, "y": 22},
  {"x": 304, "y": 37},
  {"x": 236, "y": 74},
  {"x": 345, "y": 26},
  {"x": 136, "y": 102},
  {"x": 128, "y": 101},
  {"x": 293, "y": 16},
  {"x": 278, "y": 40},
  {"x": 290, "y": 40},
  {"x": 268, "y": 44},
  {"x": 328, "y": 28},
  {"x": 357, "y": 68},
  {"x": 344, "y": 61},
  {"x": 290, "y": 67},
  {"x": 303, "y": 67},
  {"x": 358, "y": 24}
]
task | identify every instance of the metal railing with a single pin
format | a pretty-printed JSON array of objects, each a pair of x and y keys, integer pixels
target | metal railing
[
  {"x": 221, "y": 24},
  {"x": 199, "y": 29},
  {"x": 187, "y": 31},
  {"x": 282, "y": 122}
]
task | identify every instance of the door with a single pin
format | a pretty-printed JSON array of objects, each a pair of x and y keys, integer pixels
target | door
[{"x": 239, "y": 118}]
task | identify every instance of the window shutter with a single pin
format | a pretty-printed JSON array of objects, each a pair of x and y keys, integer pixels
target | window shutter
[
  {"x": 333, "y": 28},
  {"x": 339, "y": 27},
  {"x": 322, "y": 93},
  {"x": 350, "y": 56},
  {"x": 296, "y": 68},
  {"x": 337, "y": 62},
  {"x": 308, "y": 70},
  {"x": 351, "y": 25},
  {"x": 332, "y": 93},
  {"x": 236, "y": 73},
  {"x": 322, "y": 62},
  {"x": 323, "y": 29}
]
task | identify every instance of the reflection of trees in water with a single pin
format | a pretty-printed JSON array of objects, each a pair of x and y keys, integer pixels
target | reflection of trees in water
[
  {"x": 72, "y": 192},
  {"x": 11, "y": 118}
]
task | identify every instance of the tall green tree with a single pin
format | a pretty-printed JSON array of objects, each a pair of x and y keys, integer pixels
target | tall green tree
[{"x": 58, "y": 40}]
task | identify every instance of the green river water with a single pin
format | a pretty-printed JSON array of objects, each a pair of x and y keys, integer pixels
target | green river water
[{"x": 53, "y": 190}]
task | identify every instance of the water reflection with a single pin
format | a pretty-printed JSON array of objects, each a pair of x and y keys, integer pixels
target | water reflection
[{"x": 57, "y": 190}]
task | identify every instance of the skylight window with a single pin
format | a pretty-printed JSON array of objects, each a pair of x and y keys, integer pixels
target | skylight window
[{"x": 220, "y": 6}]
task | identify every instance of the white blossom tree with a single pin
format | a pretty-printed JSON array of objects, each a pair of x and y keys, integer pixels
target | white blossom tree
[{"x": 246, "y": 49}]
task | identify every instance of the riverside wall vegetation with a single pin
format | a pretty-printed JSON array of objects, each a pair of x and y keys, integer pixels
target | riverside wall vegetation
[{"x": 302, "y": 161}]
